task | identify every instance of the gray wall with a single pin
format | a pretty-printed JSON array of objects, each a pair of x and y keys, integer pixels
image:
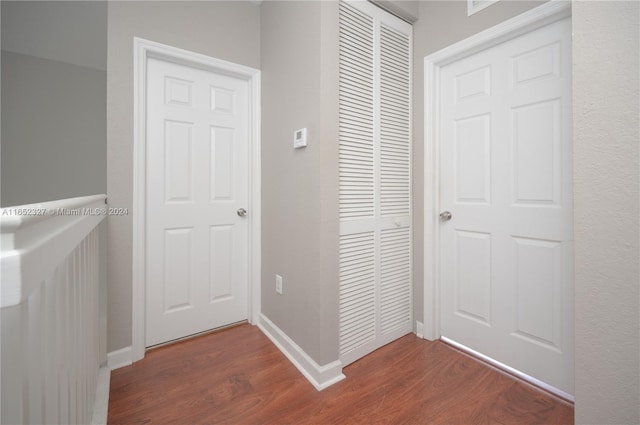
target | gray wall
[
  {"x": 224, "y": 30},
  {"x": 73, "y": 32},
  {"x": 606, "y": 135},
  {"x": 440, "y": 24},
  {"x": 53, "y": 130},
  {"x": 299, "y": 187},
  {"x": 53, "y": 100}
]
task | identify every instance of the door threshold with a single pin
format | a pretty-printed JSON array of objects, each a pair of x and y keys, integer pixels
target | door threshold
[
  {"x": 556, "y": 392},
  {"x": 197, "y": 335}
]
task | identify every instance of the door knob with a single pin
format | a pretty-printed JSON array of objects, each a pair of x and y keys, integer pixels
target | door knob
[
  {"x": 445, "y": 216},
  {"x": 241, "y": 212}
]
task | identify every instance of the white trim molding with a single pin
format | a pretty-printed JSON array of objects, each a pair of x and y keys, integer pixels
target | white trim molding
[
  {"x": 36, "y": 238},
  {"x": 396, "y": 10},
  {"x": 101, "y": 402},
  {"x": 419, "y": 329},
  {"x": 120, "y": 358},
  {"x": 320, "y": 377},
  {"x": 142, "y": 50},
  {"x": 545, "y": 14}
]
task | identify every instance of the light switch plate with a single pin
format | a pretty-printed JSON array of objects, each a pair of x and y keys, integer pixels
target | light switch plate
[{"x": 300, "y": 138}]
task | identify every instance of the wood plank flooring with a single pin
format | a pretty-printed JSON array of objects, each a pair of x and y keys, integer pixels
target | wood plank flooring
[{"x": 237, "y": 376}]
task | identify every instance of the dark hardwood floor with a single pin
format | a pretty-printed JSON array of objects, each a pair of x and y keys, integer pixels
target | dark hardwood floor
[{"x": 237, "y": 376}]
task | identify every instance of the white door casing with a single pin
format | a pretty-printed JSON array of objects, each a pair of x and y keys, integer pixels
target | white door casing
[
  {"x": 197, "y": 127},
  {"x": 375, "y": 290},
  {"x": 196, "y": 250},
  {"x": 501, "y": 149}
]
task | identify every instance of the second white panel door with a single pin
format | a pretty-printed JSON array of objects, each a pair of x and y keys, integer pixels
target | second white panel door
[
  {"x": 506, "y": 166},
  {"x": 197, "y": 186}
]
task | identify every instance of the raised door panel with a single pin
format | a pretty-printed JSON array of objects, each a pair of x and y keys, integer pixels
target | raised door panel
[
  {"x": 472, "y": 151},
  {"x": 178, "y": 160},
  {"x": 538, "y": 279},
  {"x": 221, "y": 241},
  {"x": 178, "y": 270},
  {"x": 472, "y": 276},
  {"x": 537, "y": 149},
  {"x": 222, "y": 161}
]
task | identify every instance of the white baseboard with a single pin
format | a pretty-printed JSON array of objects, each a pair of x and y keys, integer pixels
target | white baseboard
[
  {"x": 120, "y": 358},
  {"x": 419, "y": 329},
  {"x": 101, "y": 402},
  {"x": 320, "y": 377}
]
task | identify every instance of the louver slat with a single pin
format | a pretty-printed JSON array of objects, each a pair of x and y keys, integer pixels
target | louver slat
[
  {"x": 356, "y": 130},
  {"x": 357, "y": 291},
  {"x": 395, "y": 126},
  {"x": 395, "y": 278}
]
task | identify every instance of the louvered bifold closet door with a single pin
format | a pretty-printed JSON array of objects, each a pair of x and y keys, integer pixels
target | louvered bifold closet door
[{"x": 375, "y": 179}]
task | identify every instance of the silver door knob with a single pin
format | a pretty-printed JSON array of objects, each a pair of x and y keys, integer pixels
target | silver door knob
[
  {"x": 445, "y": 216},
  {"x": 241, "y": 212}
]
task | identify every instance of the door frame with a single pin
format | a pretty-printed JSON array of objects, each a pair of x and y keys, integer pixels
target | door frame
[
  {"x": 142, "y": 50},
  {"x": 532, "y": 20}
]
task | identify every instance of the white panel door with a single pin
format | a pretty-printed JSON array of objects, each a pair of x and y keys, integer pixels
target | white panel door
[
  {"x": 375, "y": 179},
  {"x": 197, "y": 180},
  {"x": 506, "y": 177}
]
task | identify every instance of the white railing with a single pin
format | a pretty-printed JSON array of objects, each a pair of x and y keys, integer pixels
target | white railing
[{"x": 52, "y": 305}]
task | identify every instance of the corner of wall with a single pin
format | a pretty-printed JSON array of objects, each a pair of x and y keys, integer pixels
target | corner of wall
[
  {"x": 320, "y": 377},
  {"x": 298, "y": 184}
]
